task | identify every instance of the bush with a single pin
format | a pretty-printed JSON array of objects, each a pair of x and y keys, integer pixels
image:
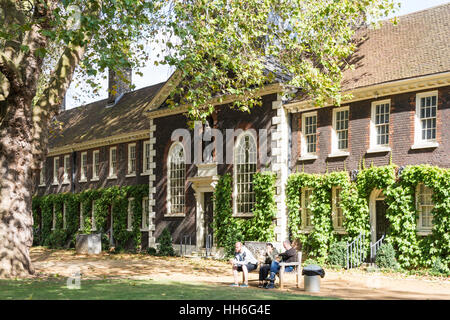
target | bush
[
  {"x": 165, "y": 247},
  {"x": 337, "y": 254},
  {"x": 385, "y": 257},
  {"x": 439, "y": 268},
  {"x": 152, "y": 251}
]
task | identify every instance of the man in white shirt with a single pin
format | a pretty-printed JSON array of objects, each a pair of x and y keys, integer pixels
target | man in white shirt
[{"x": 243, "y": 261}]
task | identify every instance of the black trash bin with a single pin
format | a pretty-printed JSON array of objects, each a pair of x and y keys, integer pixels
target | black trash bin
[{"x": 312, "y": 274}]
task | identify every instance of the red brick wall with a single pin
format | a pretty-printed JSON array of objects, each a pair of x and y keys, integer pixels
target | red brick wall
[
  {"x": 402, "y": 112},
  {"x": 122, "y": 162}
]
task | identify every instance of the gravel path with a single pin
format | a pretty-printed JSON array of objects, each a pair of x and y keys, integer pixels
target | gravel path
[{"x": 354, "y": 284}]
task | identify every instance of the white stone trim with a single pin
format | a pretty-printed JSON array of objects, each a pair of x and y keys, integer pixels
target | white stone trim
[
  {"x": 381, "y": 90},
  {"x": 92, "y": 144},
  {"x": 279, "y": 165},
  {"x": 152, "y": 188}
]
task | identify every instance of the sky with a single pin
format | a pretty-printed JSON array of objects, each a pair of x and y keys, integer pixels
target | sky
[{"x": 155, "y": 74}]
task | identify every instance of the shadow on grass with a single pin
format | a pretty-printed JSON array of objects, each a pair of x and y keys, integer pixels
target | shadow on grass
[{"x": 56, "y": 289}]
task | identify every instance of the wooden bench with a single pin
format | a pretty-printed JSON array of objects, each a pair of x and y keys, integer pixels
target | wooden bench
[{"x": 297, "y": 265}]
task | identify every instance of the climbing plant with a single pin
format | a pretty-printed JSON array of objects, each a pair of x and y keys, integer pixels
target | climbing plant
[
  {"x": 400, "y": 191},
  {"x": 105, "y": 199},
  {"x": 229, "y": 229}
]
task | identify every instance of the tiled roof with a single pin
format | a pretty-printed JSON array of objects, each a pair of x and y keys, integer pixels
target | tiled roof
[
  {"x": 96, "y": 121},
  {"x": 418, "y": 45}
]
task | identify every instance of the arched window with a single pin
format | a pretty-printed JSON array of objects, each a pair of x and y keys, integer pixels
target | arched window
[
  {"x": 245, "y": 161},
  {"x": 176, "y": 177}
]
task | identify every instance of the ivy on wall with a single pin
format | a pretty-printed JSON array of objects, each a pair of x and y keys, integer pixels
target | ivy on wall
[
  {"x": 106, "y": 199},
  {"x": 400, "y": 192},
  {"x": 260, "y": 227}
]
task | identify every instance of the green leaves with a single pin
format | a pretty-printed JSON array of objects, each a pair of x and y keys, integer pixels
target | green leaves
[
  {"x": 228, "y": 229},
  {"x": 412, "y": 250},
  {"x": 117, "y": 197}
]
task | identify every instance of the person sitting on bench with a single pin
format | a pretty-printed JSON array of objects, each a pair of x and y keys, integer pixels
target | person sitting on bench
[
  {"x": 269, "y": 256},
  {"x": 244, "y": 262},
  {"x": 290, "y": 255}
]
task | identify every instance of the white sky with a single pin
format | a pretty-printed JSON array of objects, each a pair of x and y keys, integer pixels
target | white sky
[{"x": 156, "y": 74}]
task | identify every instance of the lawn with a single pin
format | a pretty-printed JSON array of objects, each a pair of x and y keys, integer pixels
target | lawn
[{"x": 112, "y": 289}]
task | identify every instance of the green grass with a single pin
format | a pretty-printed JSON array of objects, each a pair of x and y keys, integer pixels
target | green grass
[{"x": 56, "y": 289}]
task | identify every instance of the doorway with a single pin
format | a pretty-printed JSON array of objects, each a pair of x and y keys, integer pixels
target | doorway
[
  {"x": 379, "y": 224},
  {"x": 208, "y": 217}
]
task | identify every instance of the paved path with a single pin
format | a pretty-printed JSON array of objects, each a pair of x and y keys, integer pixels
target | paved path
[{"x": 354, "y": 284}]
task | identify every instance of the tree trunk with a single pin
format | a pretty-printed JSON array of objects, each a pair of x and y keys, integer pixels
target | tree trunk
[{"x": 16, "y": 188}]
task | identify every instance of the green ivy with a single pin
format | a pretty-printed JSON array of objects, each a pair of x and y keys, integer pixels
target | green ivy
[
  {"x": 412, "y": 250},
  {"x": 228, "y": 229},
  {"x": 105, "y": 198}
]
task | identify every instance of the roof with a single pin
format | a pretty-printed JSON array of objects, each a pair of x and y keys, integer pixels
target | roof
[
  {"x": 417, "y": 46},
  {"x": 96, "y": 121}
]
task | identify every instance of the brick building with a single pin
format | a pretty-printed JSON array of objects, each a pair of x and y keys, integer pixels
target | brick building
[{"x": 399, "y": 113}]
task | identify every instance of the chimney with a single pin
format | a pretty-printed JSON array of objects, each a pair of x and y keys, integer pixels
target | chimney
[{"x": 119, "y": 82}]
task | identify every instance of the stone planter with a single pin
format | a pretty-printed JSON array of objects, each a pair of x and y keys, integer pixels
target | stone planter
[{"x": 89, "y": 243}]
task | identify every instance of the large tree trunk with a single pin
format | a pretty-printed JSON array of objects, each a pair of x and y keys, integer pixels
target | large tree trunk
[{"x": 16, "y": 189}]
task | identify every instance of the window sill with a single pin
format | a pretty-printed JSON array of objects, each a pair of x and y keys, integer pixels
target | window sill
[
  {"x": 379, "y": 149},
  {"x": 82, "y": 180},
  {"x": 144, "y": 229},
  {"x": 308, "y": 157},
  {"x": 112, "y": 177},
  {"x": 338, "y": 154},
  {"x": 95, "y": 179},
  {"x": 145, "y": 173},
  {"x": 41, "y": 185},
  {"x": 131, "y": 175},
  {"x": 340, "y": 231},
  {"x": 55, "y": 184},
  {"x": 425, "y": 145},
  {"x": 306, "y": 230},
  {"x": 424, "y": 232},
  {"x": 66, "y": 182}
]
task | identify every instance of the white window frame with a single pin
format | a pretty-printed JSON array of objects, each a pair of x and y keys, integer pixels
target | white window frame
[
  {"x": 64, "y": 216},
  {"x": 130, "y": 217},
  {"x": 95, "y": 172},
  {"x": 334, "y": 210},
  {"x": 56, "y": 170},
  {"x": 83, "y": 165},
  {"x": 81, "y": 218},
  {"x": 374, "y": 147},
  {"x": 145, "y": 214},
  {"x": 42, "y": 175},
  {"x": 251, "y": 134},
  {"x": 169, "y": 195},
  {"x": 419, "y": 143},
  {"x": 305, "y": 227},
  {"x": 54, "y": 217},
  {"x": 130, "y": 171},
  {"x": 93, "y": 222},
  {"x": 146, "y": 158},
  {"x": 420, "y": 228},
  {"x": 304, "y": 154},
  {"x": 66, "y": 175},
  {"x": 112, "y": 174},
  {"x": 335, "y": 152}
]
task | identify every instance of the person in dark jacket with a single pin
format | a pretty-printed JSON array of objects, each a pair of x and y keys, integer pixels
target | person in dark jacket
[
  {"x": 290, "y": 255},
  {"x": 269, "y": 256}
]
